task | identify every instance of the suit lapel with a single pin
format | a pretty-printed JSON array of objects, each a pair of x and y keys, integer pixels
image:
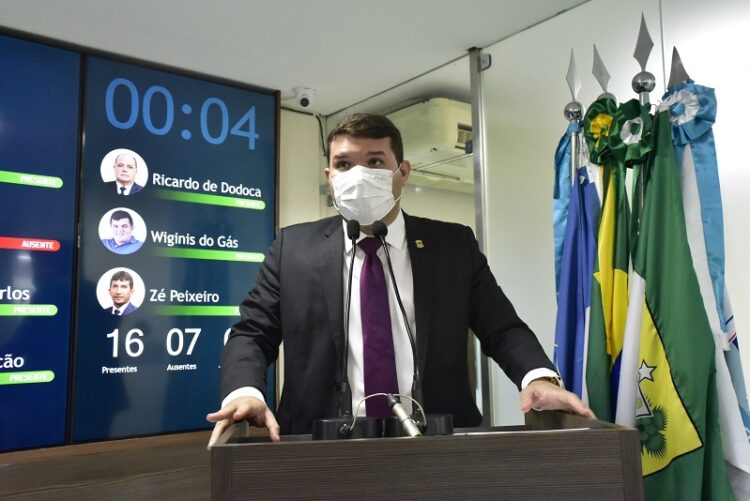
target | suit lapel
[
  {"x": 422, "y": 255},
  {"x": 331, "y": 259}
]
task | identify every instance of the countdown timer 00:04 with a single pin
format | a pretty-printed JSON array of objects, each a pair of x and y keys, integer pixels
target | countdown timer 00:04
[{"x": 122, "y": 88}]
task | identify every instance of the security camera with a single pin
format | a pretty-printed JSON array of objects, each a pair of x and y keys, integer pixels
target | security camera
[{"x": 304, "y": 96}]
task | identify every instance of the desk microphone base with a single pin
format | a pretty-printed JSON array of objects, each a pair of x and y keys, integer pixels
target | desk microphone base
[
  {"x": 331, "y": 428},
  {"x": 437, "y": 424}
]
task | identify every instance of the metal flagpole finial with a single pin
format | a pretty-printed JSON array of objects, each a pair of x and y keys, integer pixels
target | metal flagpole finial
[
  {"x": 574, "y": 114},
  {"x": 644, "y": 82},
  {"x": 677, "y": 74},
  {"x": 601, "y": 74},
  {"x": 574, "y": 109}
]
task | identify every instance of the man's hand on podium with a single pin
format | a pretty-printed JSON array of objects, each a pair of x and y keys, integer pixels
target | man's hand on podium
[
  {"x": 240, "y": 408},
  {"x": 542, "y": 395}
]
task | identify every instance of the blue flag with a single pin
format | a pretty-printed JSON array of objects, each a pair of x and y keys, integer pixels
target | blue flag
[
  {"x": 561, "y": 196},
  {"x": 574, "y": 293}
]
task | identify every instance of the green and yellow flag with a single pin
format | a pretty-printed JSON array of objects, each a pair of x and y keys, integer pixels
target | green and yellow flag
[
  {"x": 668, "y": 379},
  {"x": 609, "y": 286}
]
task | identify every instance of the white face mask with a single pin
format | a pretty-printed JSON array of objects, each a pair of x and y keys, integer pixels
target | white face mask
[{"x": 363, "y": 194}]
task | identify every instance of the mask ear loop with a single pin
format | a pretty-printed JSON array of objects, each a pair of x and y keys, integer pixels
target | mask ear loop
[
  {"x": 335, "y": 205},
  {"x": 398, "y": 169}
]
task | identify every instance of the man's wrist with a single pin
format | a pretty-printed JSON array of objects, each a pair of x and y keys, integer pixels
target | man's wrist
[
  {"x": 550, "y": 379},
  {"x": 245, "y": 391},
  {"x": 539, "y": 373}
]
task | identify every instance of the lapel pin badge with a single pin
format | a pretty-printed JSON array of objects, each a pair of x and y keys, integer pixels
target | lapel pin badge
[{"x": 419, "y": 244}]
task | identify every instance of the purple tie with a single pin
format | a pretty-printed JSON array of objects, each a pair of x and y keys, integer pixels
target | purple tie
[{"x": 379, "y": 357}]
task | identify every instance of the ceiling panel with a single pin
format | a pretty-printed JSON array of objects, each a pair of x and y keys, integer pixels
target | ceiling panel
[{"x": 346, "y": 51}]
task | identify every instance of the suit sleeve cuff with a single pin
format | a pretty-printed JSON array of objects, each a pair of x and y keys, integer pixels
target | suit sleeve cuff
[
  {"x": 245, "y": 391},
  {"x": 536, "y": 374}
]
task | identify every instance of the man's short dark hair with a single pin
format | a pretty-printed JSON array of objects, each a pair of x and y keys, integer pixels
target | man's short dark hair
[
  {"x": 119, "y": 215},
  {"x": 121, "y": 276},
  {"x": 371, "y": 126}
]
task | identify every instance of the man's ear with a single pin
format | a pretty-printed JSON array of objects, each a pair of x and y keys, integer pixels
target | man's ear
[
  {"x": 405, "y": 169},
  {"x": 327, "y": 172}
]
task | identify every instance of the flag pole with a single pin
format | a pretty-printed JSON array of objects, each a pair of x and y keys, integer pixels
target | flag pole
[
  {"x": 573, "y": 113},
  {"x": 643, "y": 83}
]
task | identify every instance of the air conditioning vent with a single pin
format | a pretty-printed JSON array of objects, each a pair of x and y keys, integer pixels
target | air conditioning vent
[
  {"x": 463, "y": 136},
  {"x": 438, "y": 142}
]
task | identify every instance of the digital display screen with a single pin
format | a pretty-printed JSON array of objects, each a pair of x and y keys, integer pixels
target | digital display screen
[
  {"x": 178, "y": 209},
  {"x": 39, "y": 137},
  {"x": 138, "y": 204}
]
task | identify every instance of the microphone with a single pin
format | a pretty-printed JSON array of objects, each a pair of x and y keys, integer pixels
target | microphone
[
  {"x": 380, "y": 230},
  {"x": 352, "y": 229},
  {"x": 406, "y": 421},
  {"x": 345, "y": 402}
]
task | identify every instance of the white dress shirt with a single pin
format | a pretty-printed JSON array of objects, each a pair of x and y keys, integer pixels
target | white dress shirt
[
  {"x": 119, "y": 186},
  {"x": 396, "y": 240}
]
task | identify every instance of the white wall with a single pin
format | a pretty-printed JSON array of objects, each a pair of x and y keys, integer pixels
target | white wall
[
  {"x": 300, "y": 163},
  {"x": 524, "y": 95},
  {"x": 445, "y": 205}
]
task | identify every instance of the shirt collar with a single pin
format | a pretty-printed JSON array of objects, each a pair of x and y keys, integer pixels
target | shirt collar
[
  {"x": 121, "y": 308},
  {"x": 396, "y": 236},
  {"x": 129, "y": 242}
]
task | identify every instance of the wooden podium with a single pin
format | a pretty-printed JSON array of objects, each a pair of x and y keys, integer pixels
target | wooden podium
[{"x": 554, "y": 456}]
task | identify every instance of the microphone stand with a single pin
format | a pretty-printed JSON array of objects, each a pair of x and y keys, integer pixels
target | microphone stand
[
  {"x": 345, "y": 397},
  {"x": 341, "y": 426}
]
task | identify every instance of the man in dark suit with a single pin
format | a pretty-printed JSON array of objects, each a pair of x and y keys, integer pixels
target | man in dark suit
[
  {"x": 447, "y": 287},
  {"x": 126, "y": 168}
]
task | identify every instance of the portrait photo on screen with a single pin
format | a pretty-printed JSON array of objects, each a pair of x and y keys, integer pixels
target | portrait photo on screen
[
  {"x": 120, "y": 291},
  {"x": 122, "y": 231},
  {"x": 124, "y": 172}
]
